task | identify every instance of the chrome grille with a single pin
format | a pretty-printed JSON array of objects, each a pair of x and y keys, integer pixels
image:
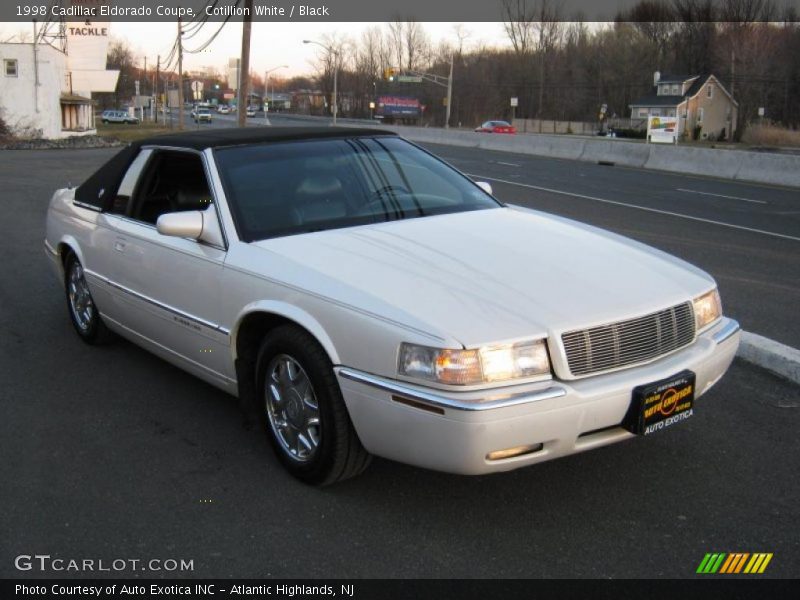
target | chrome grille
[{"x": 629, "y": 342}]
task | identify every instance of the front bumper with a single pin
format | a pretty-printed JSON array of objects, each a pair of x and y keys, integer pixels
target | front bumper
[{"x": 455, "y": 431}]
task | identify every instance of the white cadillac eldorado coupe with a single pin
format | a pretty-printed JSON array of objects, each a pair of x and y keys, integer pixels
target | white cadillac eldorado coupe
[{"x": 368, "y": 298}]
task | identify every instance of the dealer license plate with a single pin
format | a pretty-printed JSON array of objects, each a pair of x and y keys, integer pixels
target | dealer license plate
[{"x": 661, "y": 404}]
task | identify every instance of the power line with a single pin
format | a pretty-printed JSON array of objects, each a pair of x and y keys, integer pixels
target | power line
[{"x": 209, "y": 40}]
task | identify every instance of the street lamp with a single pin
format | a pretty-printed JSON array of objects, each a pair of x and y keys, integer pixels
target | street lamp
[
  {"x": 266, "y": 86},
  {"x": 335, "y": 72}
]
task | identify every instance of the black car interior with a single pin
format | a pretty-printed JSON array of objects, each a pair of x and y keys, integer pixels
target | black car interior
[{"x": 173, "y": 182}]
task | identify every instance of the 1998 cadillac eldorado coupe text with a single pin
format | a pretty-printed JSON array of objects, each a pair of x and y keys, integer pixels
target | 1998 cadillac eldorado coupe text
[{"x": 370, "y": 299}]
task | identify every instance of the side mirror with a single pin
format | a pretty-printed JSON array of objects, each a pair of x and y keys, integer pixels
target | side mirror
[
  {"x": 195, "y": 224},
  {"x": 486, "y": 187}
]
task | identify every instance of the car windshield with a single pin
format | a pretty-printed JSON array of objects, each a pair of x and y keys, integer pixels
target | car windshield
[{"x": 289, "y": 188}]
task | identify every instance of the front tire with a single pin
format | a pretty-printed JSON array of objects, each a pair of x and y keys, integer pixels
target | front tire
[
  {"x": 303, "y": 410},
  {"x": 80, "y": 304}
]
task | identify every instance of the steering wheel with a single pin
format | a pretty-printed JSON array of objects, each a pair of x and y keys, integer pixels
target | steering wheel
[{"x": 378, "y": 196}]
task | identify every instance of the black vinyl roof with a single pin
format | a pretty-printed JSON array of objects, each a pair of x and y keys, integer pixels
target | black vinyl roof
[
  {"x": 218, "y": 138},
  {"x": 99, "y": 190}
]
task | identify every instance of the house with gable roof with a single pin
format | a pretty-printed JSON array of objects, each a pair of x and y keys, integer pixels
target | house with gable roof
[{"x": 700, "y": 101}]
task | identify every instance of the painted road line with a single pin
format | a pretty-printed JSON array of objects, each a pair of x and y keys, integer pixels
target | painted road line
[
  {"x": 722, "y": 196},
  {"x": 645, "y": 208},
  {"x": 499, "y": 162}
]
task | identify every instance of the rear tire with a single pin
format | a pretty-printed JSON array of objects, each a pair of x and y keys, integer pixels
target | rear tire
[
  {"x": 303, "y": 411},
  {"x": 81, "y": 307}
]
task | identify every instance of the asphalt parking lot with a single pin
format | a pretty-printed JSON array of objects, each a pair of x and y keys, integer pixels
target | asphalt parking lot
[{"x": 112, "y": 453}]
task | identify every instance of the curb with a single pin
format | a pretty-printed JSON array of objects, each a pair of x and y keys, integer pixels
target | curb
[{"x": 770, "y": 355}]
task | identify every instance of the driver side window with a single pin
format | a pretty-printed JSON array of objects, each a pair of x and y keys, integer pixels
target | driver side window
[
  {"x": 172, "y": 182},
  {"x": 122, "y": 200}
]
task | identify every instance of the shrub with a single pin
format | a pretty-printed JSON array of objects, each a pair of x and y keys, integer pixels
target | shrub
[
  {"x": 638, "y": 134},
  {"x": 771, "y": 135}
]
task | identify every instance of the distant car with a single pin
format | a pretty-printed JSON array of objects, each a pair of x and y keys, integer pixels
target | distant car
[
  {"x": 223, "y": 109},
  {"x": 496, "y": 127},
  {"x": 201, "y": 115},
  {"x": 118, "y": 116},
  {"x": 251, "y": 111}
]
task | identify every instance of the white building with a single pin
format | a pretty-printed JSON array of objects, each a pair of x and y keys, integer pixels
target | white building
[{"x": 47, "y": 93}]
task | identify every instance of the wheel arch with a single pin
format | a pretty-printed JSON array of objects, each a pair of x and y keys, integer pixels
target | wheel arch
[
  {"x": 66, "y": 245},
  {"x": 258, "y": 318}
]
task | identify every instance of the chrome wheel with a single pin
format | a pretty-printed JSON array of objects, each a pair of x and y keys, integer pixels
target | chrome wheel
[
  {"x": 292, "y": 408},
  {"x": 80, "y": 300}
]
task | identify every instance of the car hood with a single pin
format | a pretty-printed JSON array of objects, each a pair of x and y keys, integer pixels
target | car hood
[{"x": 488, "y": 276}]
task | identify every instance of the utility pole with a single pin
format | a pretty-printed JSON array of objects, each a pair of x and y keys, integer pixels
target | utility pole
[
  {"x": 35, "y": 68},
  {"x": 155, "y": 88},
  {"x": 442, "y": 81},
  {"x": 144, "y": 87},
  {"x": 335, "y": 85},
  {"x": 238, "y": 87},
  {"x": 449, "y": 95},
  {"x": 244, "y": 68},
  {"x": 335, "y": 53},
  {"x": 180, "y": 76}
]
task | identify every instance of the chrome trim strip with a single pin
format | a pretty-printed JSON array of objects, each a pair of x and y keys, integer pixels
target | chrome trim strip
[
  {"x": 728, "y": 329},
  {"x": 194, "y": 363},
  {"x": 50, "y": 249},
  {"x": 440, "y": 401},
  {"x": 158, "y": 304},
  {"x": 86, "y": 206}
]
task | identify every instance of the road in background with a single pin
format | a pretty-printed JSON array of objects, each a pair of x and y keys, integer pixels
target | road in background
[{"x": 112, "y": 453}]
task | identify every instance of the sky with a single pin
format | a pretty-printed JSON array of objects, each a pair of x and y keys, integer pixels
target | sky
[
  {"x": 276, "y": 44},
  {"x": 272, "y": 44}
]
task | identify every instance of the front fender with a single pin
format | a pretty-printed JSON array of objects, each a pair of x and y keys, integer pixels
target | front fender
[{"x": 292, "y": 313}]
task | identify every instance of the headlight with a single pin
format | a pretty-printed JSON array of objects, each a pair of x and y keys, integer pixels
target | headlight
[
  {"x": 707, "y": 309},
  {"x": 470, "y": 367}
]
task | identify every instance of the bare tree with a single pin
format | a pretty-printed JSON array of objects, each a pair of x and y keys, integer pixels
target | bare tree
[
  {"x": 462, "y": 34},
  {"x": 518, "y": 18}
]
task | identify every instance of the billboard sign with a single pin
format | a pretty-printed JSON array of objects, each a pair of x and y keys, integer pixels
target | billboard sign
[
  {"x": 398, "y": 106},
  {"x": 663, "y": 130}
]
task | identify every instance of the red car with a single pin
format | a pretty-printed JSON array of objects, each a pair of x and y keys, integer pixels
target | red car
[{"x": 496, "y": 127}]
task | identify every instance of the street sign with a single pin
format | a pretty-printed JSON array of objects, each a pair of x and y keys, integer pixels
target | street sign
[
  {"x": 409, "y": 79},
  {"x": 514, "y": 101},
  {"x": 136, "y": 85},
  {"x": 760, "y": 111}
]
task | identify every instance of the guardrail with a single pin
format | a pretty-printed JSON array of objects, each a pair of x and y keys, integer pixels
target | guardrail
[{"x": 738, "y": 165}]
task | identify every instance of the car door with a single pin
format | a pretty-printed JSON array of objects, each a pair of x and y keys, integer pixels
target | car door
[
  {"x": 98, "y": 251},
  {"x": 171, "y": 286}
]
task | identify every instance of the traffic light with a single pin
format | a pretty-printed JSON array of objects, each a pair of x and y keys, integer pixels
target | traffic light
[{"x": 390, "y": 73}]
